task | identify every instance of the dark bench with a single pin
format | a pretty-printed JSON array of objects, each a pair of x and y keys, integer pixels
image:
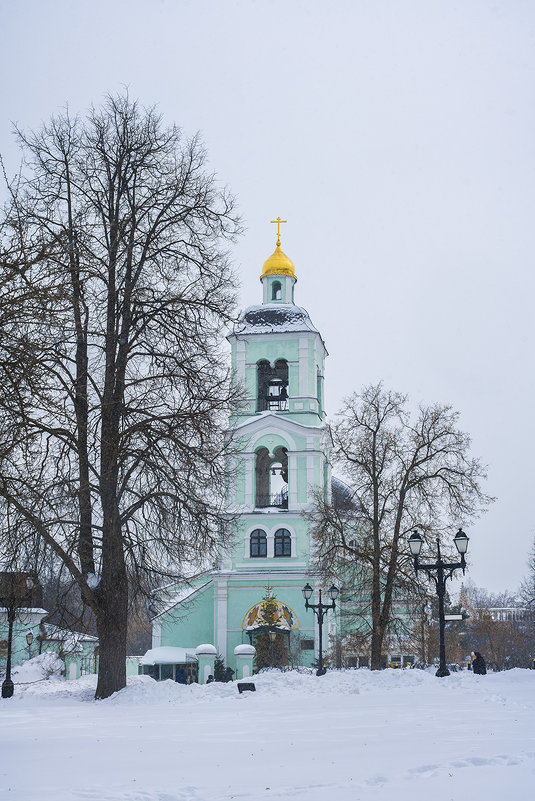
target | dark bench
[{"x": 243, "y": 686}]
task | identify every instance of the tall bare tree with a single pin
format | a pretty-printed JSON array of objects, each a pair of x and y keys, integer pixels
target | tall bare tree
[
  {"x": 401, "y": 474},
  {"x": 112, "y": 457}
]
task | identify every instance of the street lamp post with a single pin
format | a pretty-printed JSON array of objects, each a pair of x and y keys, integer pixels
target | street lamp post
[
  {"x": 440, "y": 571},
  {"x": 15, "y": 592},
  {"x": 29, "y": 640},
  {"x": 320, "y": 610}
]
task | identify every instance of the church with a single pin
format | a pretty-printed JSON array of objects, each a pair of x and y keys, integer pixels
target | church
[{"x": 254, "y": 597}]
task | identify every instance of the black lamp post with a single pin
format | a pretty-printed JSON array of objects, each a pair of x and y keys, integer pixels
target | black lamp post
[
  {"x": 320, "y": 611},
  {"x": 29, "y": 640},
  {"x": 15, "y": 592},
  {"x": 440, "y": 571}
]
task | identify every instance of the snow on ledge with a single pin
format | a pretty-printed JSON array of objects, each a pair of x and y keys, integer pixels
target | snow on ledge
[
  {"x": 168, "y": 655},
  {"x": 206, "y": 650},
  {"x": 244, "y": 650}
]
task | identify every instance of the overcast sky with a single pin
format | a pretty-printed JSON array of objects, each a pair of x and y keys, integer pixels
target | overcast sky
[{"x": 398, "y": 140}]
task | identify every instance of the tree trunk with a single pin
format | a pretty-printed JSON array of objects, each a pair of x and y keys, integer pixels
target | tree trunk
[
  {"x": 111, "y": 628},
  {"x": 112, "y": 614},
  {"x": 112, "y": 593},
  {"x": 377, "y": 648}
]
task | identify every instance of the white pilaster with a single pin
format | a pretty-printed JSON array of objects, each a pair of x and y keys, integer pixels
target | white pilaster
[
  {"x": 221, "y": 603},
  {"x": 292, "y": 481},
  {"x": 240, "y": 361},
  {"x": 249, "y": 466},
  {"x": 156, "y": 634},
  {"x": 303, "y": 367},
  {"x": 310, "y": 476},
  {"x": 288, "y": 295}
]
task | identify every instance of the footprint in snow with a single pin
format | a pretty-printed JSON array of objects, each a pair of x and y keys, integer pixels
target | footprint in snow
[
  {"x": 424, "y": 770},
  {"x": 374, "y": 781}
]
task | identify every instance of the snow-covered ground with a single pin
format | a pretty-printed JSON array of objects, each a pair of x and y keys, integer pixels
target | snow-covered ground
[{"x": 347, "y": 736}]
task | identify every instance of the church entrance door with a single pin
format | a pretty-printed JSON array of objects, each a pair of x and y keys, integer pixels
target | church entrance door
[{"x": 272, "y": 648}]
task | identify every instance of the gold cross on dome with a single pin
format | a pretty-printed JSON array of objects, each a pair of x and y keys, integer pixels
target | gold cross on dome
[{"x": 278, "y": 221}]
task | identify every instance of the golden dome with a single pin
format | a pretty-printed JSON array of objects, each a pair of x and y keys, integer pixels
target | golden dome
[{"x": 278, "y": 264}]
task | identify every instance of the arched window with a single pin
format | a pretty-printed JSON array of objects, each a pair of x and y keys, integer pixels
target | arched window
[
  {"x": 258, "y": 543},
  {"x": 283, "y": 542},
  {"x": 276, "y": 290}
]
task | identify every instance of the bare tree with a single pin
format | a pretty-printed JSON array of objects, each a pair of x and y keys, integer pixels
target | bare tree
[
  {"x": 401, "y": 474},
  {"x": 527, "y": 588},
  {"x": 111, "y": 454},
  {"x": 499, "y": 626}
]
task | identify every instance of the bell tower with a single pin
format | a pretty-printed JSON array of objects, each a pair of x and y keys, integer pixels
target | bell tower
[
  {"x": 280, "y": 464},
  {"x": 281, "y": 456}
]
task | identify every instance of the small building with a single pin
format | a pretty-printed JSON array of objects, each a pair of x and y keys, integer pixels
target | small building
[
  {"x": 32, "y": 636},
  {"x": 510, "y": 614},
  {"x": 78, "y": 651},
  {"x": 170, "y": 662}
]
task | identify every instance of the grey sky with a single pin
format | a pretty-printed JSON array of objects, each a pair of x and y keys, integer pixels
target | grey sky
[{"x": 397, "y": 139}]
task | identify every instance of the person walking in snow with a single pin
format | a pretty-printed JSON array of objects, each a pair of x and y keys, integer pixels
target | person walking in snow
[
  {"x": 478, "y": 664},
  {"x": 229, "y": 673},
  {"x": 181, "y": 677}
]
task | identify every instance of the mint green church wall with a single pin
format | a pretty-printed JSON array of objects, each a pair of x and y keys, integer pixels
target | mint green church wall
[
  {"x": 192, "y": 622},
  {"x": 271, "y": 440},
  {"x": 272, "y": 350},
  {"x": 251, "y": 389},
  {"x": 242, "y": 528},
  {"x": 240, "y": 482}
]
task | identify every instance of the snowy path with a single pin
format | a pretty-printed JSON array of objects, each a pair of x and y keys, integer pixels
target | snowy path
[{"x": 349, "y": 735}]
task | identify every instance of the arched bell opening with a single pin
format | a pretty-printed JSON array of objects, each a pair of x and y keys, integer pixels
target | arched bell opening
[
  {"x": 272, "y": 478},
  {"x": 276, "y": 290},
  {"x": 272, "y": 386}
]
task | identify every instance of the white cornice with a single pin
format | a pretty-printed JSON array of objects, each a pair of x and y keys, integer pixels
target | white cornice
[
  {"x": 267, "y": 419},
  {"x": 278, "y": 335}
]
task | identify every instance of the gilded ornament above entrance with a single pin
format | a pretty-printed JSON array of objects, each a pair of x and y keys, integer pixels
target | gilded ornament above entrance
[{"x": 283, "y": 617}]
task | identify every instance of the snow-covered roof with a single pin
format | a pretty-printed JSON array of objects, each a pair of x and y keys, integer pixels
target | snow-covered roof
[
  {"x": 266, "y": 318},
  {"x": 341, "y": 492},
  {"x": 168, "y": 655},
  {"x": 26, "y": 610},
  {"x": 72, "y": 641}
]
